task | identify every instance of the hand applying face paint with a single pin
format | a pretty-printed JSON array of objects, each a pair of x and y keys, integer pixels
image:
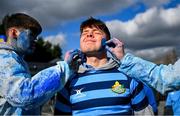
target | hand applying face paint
[
  {"x": 115, "y": 47},
  {"x": 74, "y": 58}
]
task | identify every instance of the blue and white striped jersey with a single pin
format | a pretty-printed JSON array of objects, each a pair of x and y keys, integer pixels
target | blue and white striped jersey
[{"x": 101, "y": 92}]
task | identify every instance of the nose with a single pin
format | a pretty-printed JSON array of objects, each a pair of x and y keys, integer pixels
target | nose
[{"x": 90, "y": 34}]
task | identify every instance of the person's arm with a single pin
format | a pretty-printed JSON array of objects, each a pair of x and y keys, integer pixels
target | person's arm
[
  {"x": 162, "y": 77},
  {"x": 139, "y": 100},
  {"x": 21, "y": 90}
]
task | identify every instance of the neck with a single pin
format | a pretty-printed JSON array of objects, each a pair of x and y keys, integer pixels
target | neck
[{"x": 97, "y": 61}]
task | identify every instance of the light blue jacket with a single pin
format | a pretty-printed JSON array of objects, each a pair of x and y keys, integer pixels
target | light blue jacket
[
  {"x": 21, "y": 94},
  {"x": 162, "y": 77}
]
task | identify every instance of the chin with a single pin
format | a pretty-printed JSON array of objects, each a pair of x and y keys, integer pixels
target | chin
[
  {"x": 87, "y": 51},
  {"x": 90, "y": 52}
]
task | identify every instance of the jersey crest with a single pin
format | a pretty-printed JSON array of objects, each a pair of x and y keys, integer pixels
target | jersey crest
[{"x": 118, "y": 88}]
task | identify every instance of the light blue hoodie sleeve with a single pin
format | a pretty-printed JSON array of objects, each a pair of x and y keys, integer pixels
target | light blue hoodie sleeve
[
  {"x": 22, "y": 90},
  {"x": 162, "y": 77}
]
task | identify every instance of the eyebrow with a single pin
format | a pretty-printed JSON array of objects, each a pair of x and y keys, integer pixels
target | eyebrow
[
  {"x": 85, "y": 31},
  {"x": 95, "y": 29}
]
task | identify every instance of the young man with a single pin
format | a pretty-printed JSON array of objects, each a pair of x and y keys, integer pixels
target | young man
[
  {"x": 99, "y": 88},
  {"x": 21, "y": 94},
  {"x": 163, "y": 78}
]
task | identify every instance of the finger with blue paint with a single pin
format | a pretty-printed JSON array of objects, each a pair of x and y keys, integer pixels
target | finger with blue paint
[
  {"x": 116, "y": 48},
  {"x": 74, "y": 58}
]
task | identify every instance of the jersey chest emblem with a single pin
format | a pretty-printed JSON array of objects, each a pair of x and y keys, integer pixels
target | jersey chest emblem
[{"x": 118, "y": 88}]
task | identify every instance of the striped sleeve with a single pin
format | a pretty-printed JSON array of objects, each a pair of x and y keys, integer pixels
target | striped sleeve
[
  {"x": 139, "y": 100},
  {"x": 63, "y": 105}
]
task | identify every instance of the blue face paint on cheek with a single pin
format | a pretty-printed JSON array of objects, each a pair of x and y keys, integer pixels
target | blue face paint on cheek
[
  {"x": 103, "y": 42},
  {"x": 24, "y": 42}
]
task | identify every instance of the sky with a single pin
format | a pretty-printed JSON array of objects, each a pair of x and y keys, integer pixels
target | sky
[{"x": 148, "y": 27}]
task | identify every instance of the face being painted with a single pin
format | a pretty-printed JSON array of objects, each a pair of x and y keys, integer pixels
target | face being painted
[
  {"x": 25, "y": 42},
  {"x": 91, "y": 40}
]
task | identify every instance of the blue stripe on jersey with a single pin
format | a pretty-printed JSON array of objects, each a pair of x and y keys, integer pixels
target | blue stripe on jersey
[
  {"x": 98, "y": 85},
  {"x": 96, "y": 94},
  {"x": 62, "y": 107},
  {"x": 98, "y": 78},
  {"x": 137, "y": 89},
  {"x": 104, "y": 110},
  {"x": 138, "y": 98},
  {"x": 96, "y": 71},
  {"x": 101, "y": 102},
  {"x": 133, "y": 85}
]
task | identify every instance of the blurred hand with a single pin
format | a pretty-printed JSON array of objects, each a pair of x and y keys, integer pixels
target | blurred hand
[
  {"x": 116, "y": 46},
  {"x": 74, "y": 58}
]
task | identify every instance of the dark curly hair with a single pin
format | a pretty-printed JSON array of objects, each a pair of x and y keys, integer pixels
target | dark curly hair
[
  {"x": 21, "y": 20},
  {"x": 92, "y": 22}
]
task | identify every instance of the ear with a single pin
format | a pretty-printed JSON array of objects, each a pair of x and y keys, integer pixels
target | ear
[{"x": 13, "y": 33}]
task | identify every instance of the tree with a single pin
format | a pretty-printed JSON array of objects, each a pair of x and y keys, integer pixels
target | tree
[
  {"x": 44, "y": 52},
  {"x": 1, "y": 29}
]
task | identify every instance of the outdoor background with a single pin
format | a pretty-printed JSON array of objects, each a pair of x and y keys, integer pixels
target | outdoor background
[{"x": 149, "y": 28}]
